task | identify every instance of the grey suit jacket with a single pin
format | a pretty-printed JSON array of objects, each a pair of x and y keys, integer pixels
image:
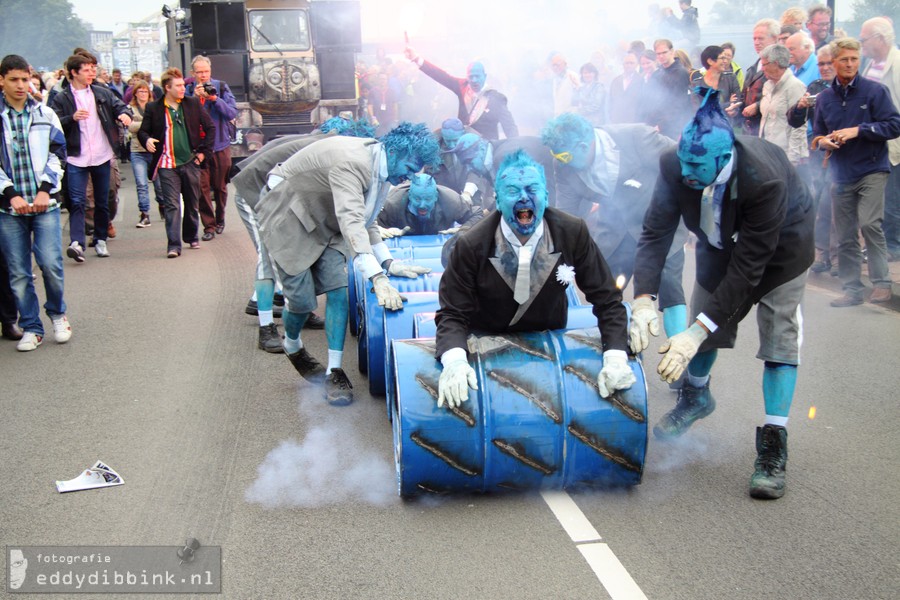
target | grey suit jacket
[{"x": 321, "y": 203}]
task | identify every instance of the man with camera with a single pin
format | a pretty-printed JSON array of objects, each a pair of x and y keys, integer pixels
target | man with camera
[{"x": 219, "y": 102}]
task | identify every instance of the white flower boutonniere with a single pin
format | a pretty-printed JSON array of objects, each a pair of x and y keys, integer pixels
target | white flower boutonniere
[{"x": 565, "y": 274}]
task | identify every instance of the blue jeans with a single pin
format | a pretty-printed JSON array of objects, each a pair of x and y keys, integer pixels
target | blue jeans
[
  {"x": 40, "y": 234},
  {"x": 76, "y": 178},
  {"x": 140, "y": 165}
]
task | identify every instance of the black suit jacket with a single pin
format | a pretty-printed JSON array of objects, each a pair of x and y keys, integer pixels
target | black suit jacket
[
  {"x": 771, "y": 215},
  {"x": 624, "y": 104},
  {"x": 495, "y": 115},
  {"x": 450, "y": 209},
  {"x": 474, "y": 296},
  {"x": 200, "y": 128}
]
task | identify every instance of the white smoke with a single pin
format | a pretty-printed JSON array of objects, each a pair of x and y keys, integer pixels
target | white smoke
[{"x": 332, "y": 464}]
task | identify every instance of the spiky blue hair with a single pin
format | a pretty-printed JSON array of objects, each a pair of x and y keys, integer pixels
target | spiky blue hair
[
  {"x": 519, "y": 160},
  {"x": 360, "y": 128},
  {"x": 424, "y": 182},
  {"x": 709, "y": 131},
  {"x": 566, "y": 130},
  {"x": 415, "y": 140}
]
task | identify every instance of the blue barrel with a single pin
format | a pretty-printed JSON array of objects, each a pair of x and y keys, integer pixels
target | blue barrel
[
  {"x": 428, "y": 256},
  {"x": 396, "y": 325},
  {"x": 424, "y": 325},
  {"x": 369, "y": 347},
  {"x": 537, "y": 420}
]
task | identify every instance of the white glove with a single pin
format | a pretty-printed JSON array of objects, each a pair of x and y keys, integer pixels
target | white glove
[
  {"x": 399, "y": 269},
  {"x": 456, "y": 378},
  {"x": 615, "y": 374},
  {"x": 391, "y": 232},
  {"x": 644, "y": 322},
  {"x": 387, "y": 295},
  {"x": 451, "y": 231},
  {"x": 679, "y": 351}
]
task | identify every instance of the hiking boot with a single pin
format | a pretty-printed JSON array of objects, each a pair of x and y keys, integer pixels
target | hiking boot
[
  {"x": 337, "y": 388},
  {"x": 29, "y": 342},
  {"x": 314, "y": 321},
  {"x": 270, "y": 339},
  {"x": 253, "y": 309},
  {"x": 75, "y": 252},
  {"x": 847, "y": 300},
  {"x": 767, "y": 482},
  {"x": 306, "y": 365},
  {"x": 880, "y": 295},
  {"x": 693, "y": 404},
  {"x": 144, "y": 221},
  {"x": 62, "y": 331},
  {"x": 100, "y": 249}
]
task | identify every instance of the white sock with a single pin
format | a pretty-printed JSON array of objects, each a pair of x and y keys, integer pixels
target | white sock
[
  {"x": 334, "y": 360},
  {"x": 292, "y": 346},
  {"x": 697, "y": 382},
  {"x": 776, "y": 420},
  {"x": 266, "y": 317}
]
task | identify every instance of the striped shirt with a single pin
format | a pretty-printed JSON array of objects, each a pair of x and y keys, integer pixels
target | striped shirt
[{"x": 176, "y": 146}]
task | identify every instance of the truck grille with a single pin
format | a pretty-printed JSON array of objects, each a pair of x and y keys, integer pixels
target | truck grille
[{"x": 300, "y": 118}]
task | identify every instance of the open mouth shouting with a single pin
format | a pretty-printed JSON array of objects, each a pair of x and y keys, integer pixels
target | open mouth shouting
[{"x": 524, "y": 217}]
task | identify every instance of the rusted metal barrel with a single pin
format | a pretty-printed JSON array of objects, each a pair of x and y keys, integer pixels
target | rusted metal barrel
[
  {"x": 537, "y": 420},
  {"x": 579, "y": 317}
]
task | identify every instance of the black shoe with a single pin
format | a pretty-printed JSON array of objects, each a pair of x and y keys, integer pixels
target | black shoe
[
  {"x": 693, "y": 404},
  {"x": 207, "y": 236},
  {"x": 337, "y": 388},
  {"x": 767, "y": 482},
  {"x": 308, "y": 367},
  {"x": 270, "y": 339},
  {"x": 278, "y": 300},
  {"x": 314, "y": 321},
  {"x": 820, "y": 267},
  {"x": 253, "y": 309},
  {"x": 12, "y": 331},
  {"x": 220, "y": 229}
]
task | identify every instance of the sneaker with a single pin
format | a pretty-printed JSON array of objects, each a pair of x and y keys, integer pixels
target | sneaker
[
  {"x": 220, "y": 229},
  {"x": 29, "y": 342},
  {"x": 306, "y": 365},
  {"x": 693, "y": 404},
  {"x": 208, "y": 236},
  {"x": 337, "y": 388},
  {"x": 767, "y": 481},
  {"x": 62, "y": 331},
  {"x": 270, "y": 339},
  {"x": 100, "y": 249},
  {"x": 252, "y": 308},
  {"x": 144, "y": 222},
  {"x": 195, "y": 245},
  {"x": 173, "y": 254},
  {"x": 314, "y": 321},
  {"x": 75, "y": 252},
  {"x": 111, "y": 231}
]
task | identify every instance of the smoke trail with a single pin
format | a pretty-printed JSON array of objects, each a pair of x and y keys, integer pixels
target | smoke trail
[{"x": 331, "y": 465}]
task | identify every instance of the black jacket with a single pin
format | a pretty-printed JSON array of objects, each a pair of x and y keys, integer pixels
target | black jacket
[
  {"x": 109, "y": 107},
  {"x": 770, "y": 213},
  {"x": 474, "y": 295},
  {"x": 200, "y": 128}
]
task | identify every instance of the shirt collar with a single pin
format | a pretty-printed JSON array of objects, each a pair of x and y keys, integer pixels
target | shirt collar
[
  {"x": 728, "y": 169},
  {"x": 510, "y": 236}
]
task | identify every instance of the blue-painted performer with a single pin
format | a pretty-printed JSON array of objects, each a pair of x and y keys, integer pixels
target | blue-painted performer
[
  {"x": 754, "y": 220},
  {"x": 509, "y": 273},
  {"x": 319, "y": 210},
  {"x": 421, "y": 207},
  {"x": 606, "y": 176}
]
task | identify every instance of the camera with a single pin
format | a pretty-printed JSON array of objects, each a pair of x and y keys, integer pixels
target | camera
[
  {"x": 812, "y": 101},
  {"x": 209, "y": 88}
]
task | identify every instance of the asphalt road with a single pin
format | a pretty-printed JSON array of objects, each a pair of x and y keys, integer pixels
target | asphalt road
[{"x": 222, "y": 442}]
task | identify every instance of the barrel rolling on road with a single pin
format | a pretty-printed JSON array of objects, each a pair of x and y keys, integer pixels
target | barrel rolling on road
[{"x": 537, "y": 420}]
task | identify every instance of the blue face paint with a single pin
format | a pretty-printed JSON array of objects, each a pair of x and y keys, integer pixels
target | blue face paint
[
  {"x": 706, "y": 144},
  {"x": 451, "y": 130},
  {"x": 473, "y": 151},
  {"x": 423, "y": 196},
  {"x": 521, "y": 197},
  {"x": 476, "y": 76},
  {"x": 401, "y": 167}
]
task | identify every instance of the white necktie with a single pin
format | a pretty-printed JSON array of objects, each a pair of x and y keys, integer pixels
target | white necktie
[{"x": 523, "y": 276}]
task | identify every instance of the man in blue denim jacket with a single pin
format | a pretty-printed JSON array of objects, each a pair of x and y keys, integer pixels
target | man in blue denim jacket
[{"x": 219, "y": 102}]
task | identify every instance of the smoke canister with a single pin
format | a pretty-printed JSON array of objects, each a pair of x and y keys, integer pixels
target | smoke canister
[{"x": 537, "y": 420}]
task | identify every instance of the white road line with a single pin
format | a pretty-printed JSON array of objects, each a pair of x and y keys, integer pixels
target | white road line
[
  {"x": 570, "y": 517},
  {"x": 618, "y": 583}
]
